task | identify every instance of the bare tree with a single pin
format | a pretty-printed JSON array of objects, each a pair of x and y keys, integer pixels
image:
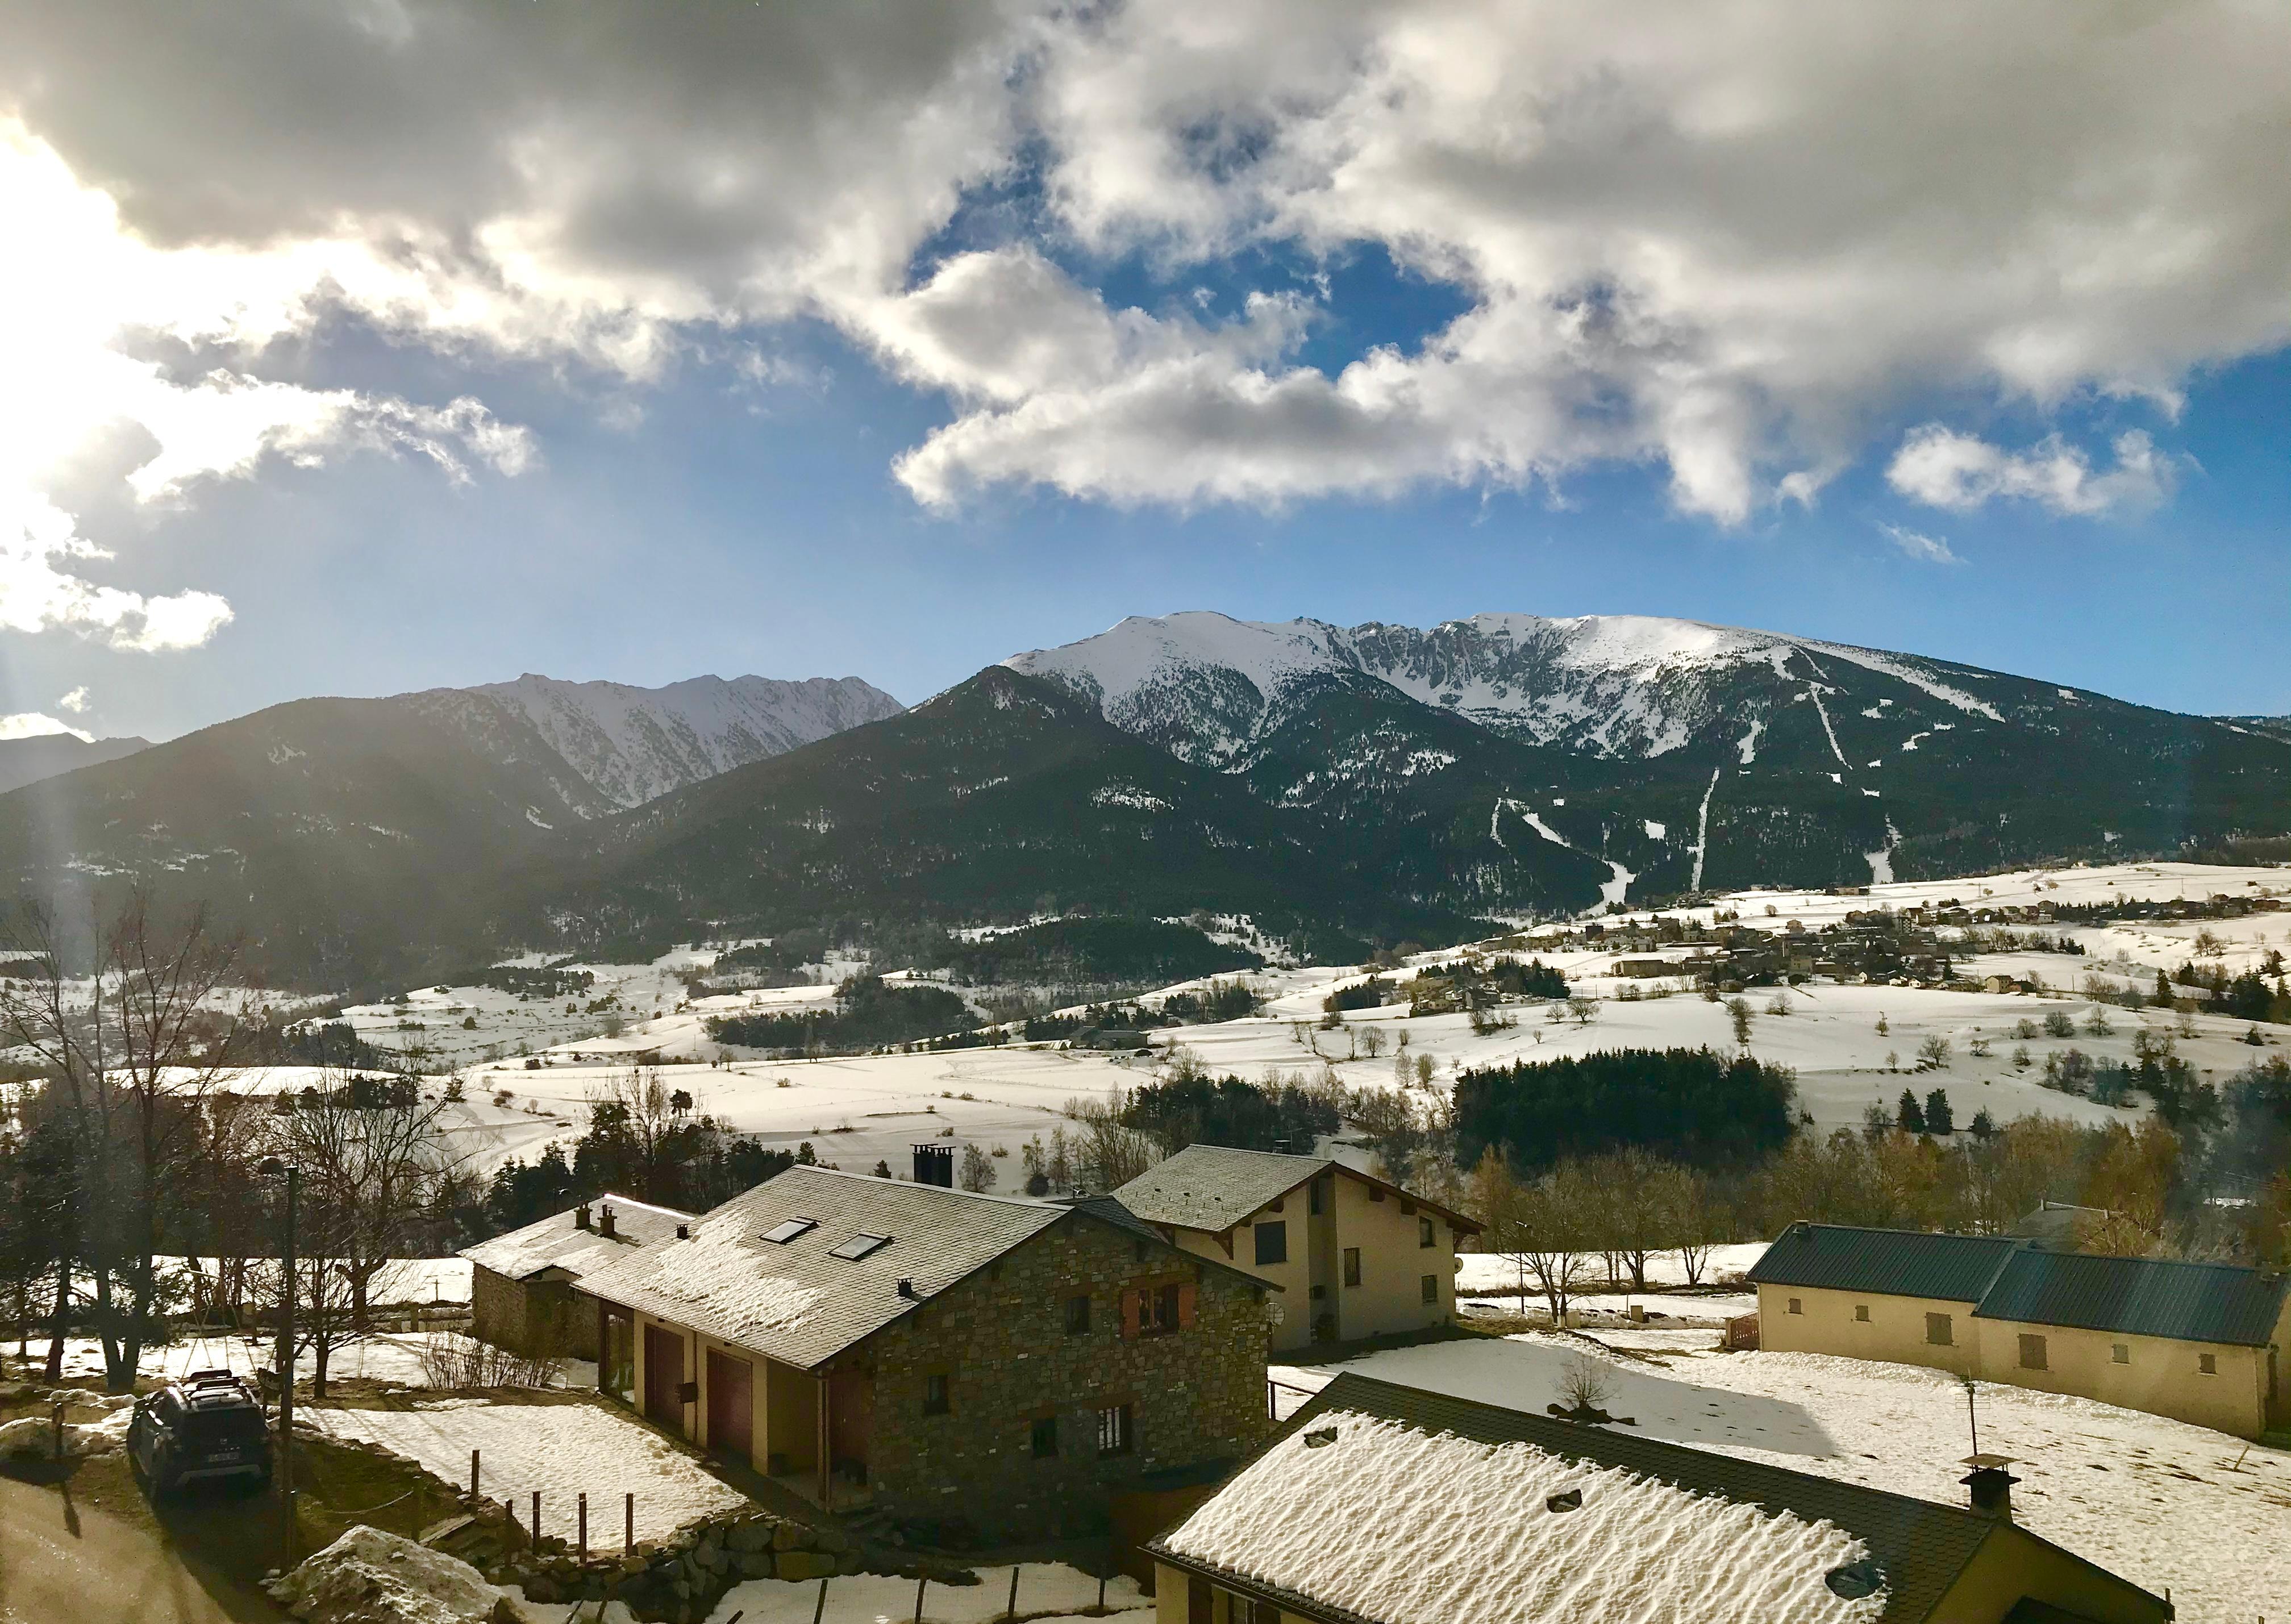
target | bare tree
[
  {"x": 1110, "y": 1152},
  {"x": 370, "y": 1161},
  {"x": 977, "y": 1172},
  {"x": 131, "y": 1054}
]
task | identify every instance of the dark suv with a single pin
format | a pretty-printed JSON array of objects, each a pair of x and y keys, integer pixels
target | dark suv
[{"x": 206, "y": 1427}]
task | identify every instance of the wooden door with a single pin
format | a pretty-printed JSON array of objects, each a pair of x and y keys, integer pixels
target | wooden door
[
  {"x": 731, "y": 1408},
  {"x": 664, "y": 1375},
  {"x": 850, "y": 1419}
]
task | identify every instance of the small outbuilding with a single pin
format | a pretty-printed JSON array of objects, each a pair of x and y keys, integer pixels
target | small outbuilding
[
  {"x": 1378, "y": 1504},
  {"x": 525, "y": 1286},
  {"x": 2200, "y": 1342}
]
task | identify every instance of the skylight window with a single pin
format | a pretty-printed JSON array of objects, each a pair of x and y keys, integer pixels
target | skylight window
[
  {"x": 860, "y": 1245},
  {"x": 780, "y": 1234}
]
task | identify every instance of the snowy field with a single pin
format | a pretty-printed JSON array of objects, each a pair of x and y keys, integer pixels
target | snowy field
[
  {"x": 2160, "y": 1502},
  {"x": 858, "y": 1110},
  {"x": 560, "y": 1450},
  {"x": 1490, "y": 1272}
]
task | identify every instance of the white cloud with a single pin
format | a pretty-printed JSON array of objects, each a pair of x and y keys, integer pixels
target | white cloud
[
  {"x": 33, "y": 725},
  {"x": 1735, "y": 241},
  {"x": 1925, "y": 548},
  {"x": 75, "y": 702},
  {"x": 1945, "y": 469},
  {"x": 73, "y": 319}
]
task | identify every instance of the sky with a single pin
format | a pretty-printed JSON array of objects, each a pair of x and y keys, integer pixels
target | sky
[{"x": 358, "y": 346}]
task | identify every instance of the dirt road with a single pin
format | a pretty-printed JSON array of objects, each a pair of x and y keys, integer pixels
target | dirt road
[{"x": 90, "y": 1552}]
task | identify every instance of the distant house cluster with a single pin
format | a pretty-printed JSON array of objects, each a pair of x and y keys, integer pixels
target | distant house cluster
[{"x": 2202, "y": 1342}]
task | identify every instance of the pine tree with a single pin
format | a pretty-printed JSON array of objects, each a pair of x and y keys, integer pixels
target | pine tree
[
  {"x": 2163, "y": 995},
  {"x": 1984, "y": 1125},
  {"x": 1909, "y": 1116},
  {"x": 1939, "y": 1117}
]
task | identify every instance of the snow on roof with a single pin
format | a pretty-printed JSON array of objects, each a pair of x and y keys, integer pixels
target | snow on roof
[
  {"x": 1215, "y": 1187},
  {"x": 1398, "y": 1524},
  {"x": 556, "y": 1242},
  {"x": 799, "y": 1303}
]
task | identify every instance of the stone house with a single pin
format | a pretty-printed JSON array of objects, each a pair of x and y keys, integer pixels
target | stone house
[
  {"x": 2200, "y": 1342},
  {"x": 1354, "y": 1255},
  {"x": 988, "y": 1364},
  {"x": 525, "y": 1286},
  {"x": 1377, "y": 1504}
]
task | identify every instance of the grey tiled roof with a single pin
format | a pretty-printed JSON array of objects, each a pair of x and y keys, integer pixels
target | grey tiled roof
[
  {"x": 556, "y": 1241},
  {"x": 2145, "y": 1296},
  {"x": 1889, "y": 1262},
  {"x": 1209, "y": 1186},
  {"x": 798, "y": 1303},
  {"x": 1921, "y": 1547}
]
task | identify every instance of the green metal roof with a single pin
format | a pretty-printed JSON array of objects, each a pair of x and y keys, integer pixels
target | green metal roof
[
  {"x": 2142, "y": 1297},
  {"x": 1886, "y": 1262}
]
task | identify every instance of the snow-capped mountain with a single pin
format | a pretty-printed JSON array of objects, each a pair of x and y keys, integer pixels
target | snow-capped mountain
[
  {"x": 1619, "y": 686},
  {"x": 630, "y": 744}
]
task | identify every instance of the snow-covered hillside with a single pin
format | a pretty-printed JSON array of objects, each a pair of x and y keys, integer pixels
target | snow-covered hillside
[
  {"x": 630, "y": 744},
  {"x": 1626, "y": 686}
]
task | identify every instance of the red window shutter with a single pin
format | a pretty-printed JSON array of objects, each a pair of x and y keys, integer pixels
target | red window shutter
[
  {"x": 1133, "y": 1301},
  {"x": 1184, "y": 1308}
]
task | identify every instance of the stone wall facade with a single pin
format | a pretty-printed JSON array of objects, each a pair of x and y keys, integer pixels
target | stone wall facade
[
  {"x": 543, "y": 1318},
  {"x": 1002, "y": 1342}
]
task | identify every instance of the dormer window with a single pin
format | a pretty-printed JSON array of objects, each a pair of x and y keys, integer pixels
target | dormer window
[
  {"x": 780, "y": 1234},
  {"x": 861, "y": 1245}
]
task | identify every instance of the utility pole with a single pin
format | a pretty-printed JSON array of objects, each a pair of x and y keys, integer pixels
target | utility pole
[{"x": 285, "y": 1359}]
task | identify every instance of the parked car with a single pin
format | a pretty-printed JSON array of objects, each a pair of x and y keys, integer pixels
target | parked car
[{"x": 208, "y": 1427}]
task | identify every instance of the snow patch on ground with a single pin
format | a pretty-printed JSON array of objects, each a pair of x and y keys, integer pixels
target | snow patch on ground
[
  {"x": 563, "y": 1450},
  {"x": 874, "y": 1598},
  {"x": 371, "y": 1577}
]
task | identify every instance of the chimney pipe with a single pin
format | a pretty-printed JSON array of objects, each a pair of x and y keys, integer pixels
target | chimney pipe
[
  {"x": 581, "y": 1216},
  {"x": 684, "y": 1232},
  {"x": 605, "y": 1220},
  {"x": 935, "y": 1164},
  {"x": 1993, "y": 1491},
  {"x": 907, "y": 1290}
]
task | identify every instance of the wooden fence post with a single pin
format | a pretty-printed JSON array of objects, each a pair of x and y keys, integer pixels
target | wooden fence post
[
  {"x": 536, "y": 1519},
  {"x": 1011, "y": 1610},
  {"x": 584, "y": 1504},
  {"x": 819, "y": 1608},
  {"x": 629, "y": 1524},
  {"x": 920, "y": 1580},
  {"x": 473, "y": 1474}
]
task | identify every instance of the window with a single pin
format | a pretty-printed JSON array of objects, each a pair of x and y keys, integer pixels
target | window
[
  {"x": 1424, "y": 1234},
  {"x": 1042, "y": 1437},
  {"x": 2208, "y": 1364},
  {"x": 859, "y": 1246},
  {"x": 1114, "y": 1435},
  {"x": 1940, "y": 1332},
  {"x": 2032, "y": 1353},
  {"x": 2119, "y": 1352},
  {"x": 1797, "y": 1307},
  {"x": 934, "y": 1394},
  {"x": 1272, "y": 1244},
  {"x": 780, "y": 1234},
  {"x": 1431, "y": 1285},
  {"x": 1160, "y": 1311},
  {"x": 1861, "y": 1313},
  {"x": 1077, "y": 1316},
  {"x": 1351, "y": 1265}
]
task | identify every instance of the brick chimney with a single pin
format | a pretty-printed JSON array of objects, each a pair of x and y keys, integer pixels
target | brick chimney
[
  {"x": 935, "y": 1164},
  {"x": 605, "y": 1220},
  {"x": 581, "y": 1216},
  {"x": 1993, "y": 1491}
]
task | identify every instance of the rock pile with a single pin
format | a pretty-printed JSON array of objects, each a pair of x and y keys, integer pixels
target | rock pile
[{"x": 683, "y": 1578}]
